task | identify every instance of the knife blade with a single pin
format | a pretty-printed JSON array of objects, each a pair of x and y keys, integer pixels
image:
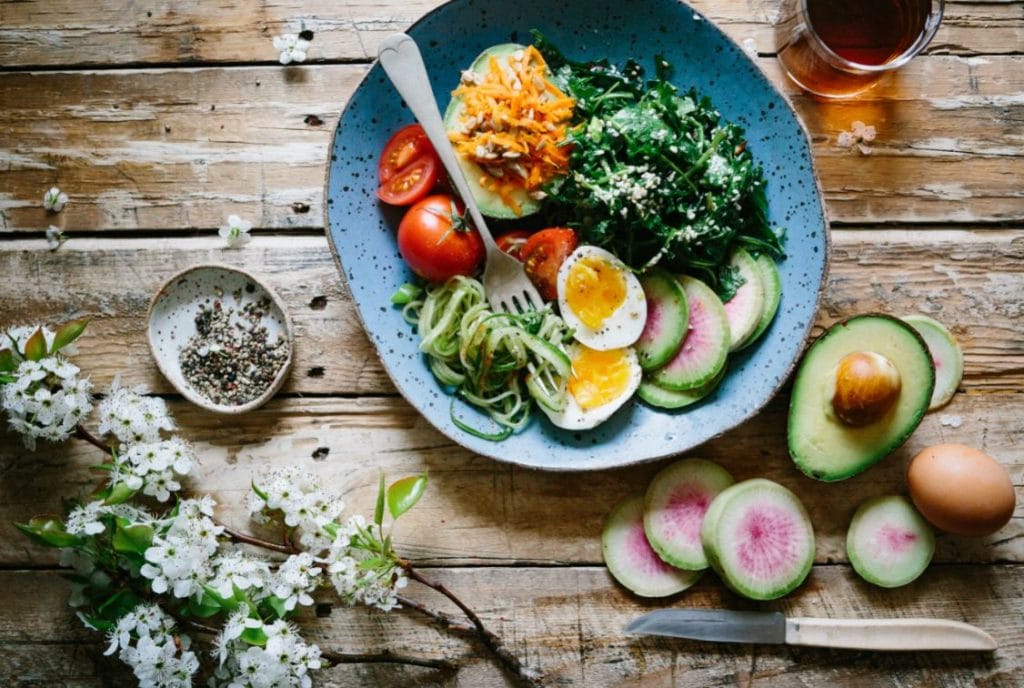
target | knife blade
[{"x": 728, "y": 626}]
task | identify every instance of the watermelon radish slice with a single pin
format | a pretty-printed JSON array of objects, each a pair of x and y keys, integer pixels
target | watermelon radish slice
[
  {"x": 674, "y": 508},
  {"x": 946, "y": 354},
  {"x": 705, "y": 346},
  {"x": 629, "y": 556},
  {"x": 667, "y": 399},
  {"x": 772, "y": 284},
  {"x": 759, "y": 539},
  {"x": 667, "y": 319},
  {"x": 889, "y": 543},
  {"x": 745, "y": 308}
]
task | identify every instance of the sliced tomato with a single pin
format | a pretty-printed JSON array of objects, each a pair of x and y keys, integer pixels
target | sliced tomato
[
  {"x": 512, "y": 242},
  {"x": 411, "y": 183},
  {"x": 542, "y": 255},
  {"x": 407, "y": 144}
]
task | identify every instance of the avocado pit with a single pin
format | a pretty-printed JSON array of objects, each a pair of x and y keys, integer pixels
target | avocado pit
[{"x": 867, "y": 384}]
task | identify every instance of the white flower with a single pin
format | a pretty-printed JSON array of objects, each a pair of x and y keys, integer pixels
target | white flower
[
  {"x": 180, "y": 556},
  {"x": 154, "y": 467},
  {"x": 296, "y": 578},
  {"x": 55, "y": 236},
  {"x": 291, "y": 47},
  {"x": 132, "y": 417},
  {"x": 300, "y": 501},
  {"x": 238, "y": 570},
  {"x": 376, "y": 586},
  {"x": 284, "y": 662},
  {"x": 85, "y": 520},
  {"x": 54, "y": 200},
  {"x": 236, "y": 232},
  {"x": 233, "y": 630},
  {"x": 46, "y": 400}
]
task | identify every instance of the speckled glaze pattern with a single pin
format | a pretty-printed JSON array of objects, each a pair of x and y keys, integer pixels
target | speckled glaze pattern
[
  {"x": 172, "y": 313},
  {"x": 362, "y": 230}
]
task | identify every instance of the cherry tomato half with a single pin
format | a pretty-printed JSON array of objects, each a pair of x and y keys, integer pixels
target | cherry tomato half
[
  {"x": 411, "y": 183},
  {"x": 437, "y": 242},
  {"x": 542, "y": 255},
  {"x": 409, "y": 167},
  {"x": 407, "y": 144},
  {"x": 512, "y": 242}
]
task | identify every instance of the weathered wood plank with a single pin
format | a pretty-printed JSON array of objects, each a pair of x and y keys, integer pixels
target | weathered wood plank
[
  {"x": 65, "y": 32},
  {"x": 183, "y": 148},
  {"x": 567, "y": 621},
  {"x": 478, "y": 510},
  {"x": 970, "y": 280}
]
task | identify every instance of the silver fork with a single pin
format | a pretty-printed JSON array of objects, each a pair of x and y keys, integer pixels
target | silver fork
[{"x": 507, "y": 287}]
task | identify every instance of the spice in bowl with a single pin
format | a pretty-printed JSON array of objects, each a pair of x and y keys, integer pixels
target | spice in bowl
[{"x": 232, "y": 359}]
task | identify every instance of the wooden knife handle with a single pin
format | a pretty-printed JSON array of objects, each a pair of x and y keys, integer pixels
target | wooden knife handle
[{"x": 887, "y": 634}]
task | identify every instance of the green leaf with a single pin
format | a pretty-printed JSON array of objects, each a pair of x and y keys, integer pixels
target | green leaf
[
  {"x": 96, "y": 623},
  {"x": 259, "y": 493},
  {"x": 254, "y": 636},
  {"x": 35, "y": 347},
  {"x": 119, "y": 604},
  {"x": 7, "y": 362},
  {"x": 49, "y": 532},
  {"x": 69, "y": 333},
  {"x": 205, "y": 607},
  {"x": 228, "y": 603},
  {"x": 134, "y": 538},
  {"x": 378, "y": 512},
  {"x": 403, "y": 494},
  {"x": 277, "y": 604},
  {"x": 119, "y": 494}
]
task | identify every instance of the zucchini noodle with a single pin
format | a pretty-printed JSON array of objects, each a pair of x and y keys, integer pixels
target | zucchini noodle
[{"x": 497, "y": 362}]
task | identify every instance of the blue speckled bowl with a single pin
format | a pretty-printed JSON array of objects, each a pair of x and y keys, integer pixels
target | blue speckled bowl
[{"x": 362, "y": 230}]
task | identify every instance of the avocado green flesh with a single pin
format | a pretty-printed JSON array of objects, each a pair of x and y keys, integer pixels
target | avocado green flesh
[
  {"x": 490, "y": 203},
  {"x": 824, "y": 447}
]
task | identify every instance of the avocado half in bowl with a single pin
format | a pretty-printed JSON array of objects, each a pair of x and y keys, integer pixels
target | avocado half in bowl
[{"x": 861, "y": 390}]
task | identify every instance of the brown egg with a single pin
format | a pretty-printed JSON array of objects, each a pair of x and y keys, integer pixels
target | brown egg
[{"x": 961, "y": 490}]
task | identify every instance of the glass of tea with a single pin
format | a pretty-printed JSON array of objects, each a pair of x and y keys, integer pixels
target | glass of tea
[{"x": 839, "y": 48}]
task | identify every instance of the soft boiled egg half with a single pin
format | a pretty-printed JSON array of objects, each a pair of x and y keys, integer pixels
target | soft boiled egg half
[
  {"x": 600, "y": 383},
  {"x": 601, "y": 299}
]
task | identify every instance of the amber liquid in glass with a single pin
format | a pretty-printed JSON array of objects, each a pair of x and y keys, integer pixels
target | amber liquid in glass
[{"x": 866, "y": 32}]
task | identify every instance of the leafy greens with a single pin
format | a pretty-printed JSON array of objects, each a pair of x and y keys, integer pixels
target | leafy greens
[{"x": 655, "y": 175}]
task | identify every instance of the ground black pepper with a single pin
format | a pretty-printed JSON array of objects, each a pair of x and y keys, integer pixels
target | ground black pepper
[{"x": 231, "y": 359}]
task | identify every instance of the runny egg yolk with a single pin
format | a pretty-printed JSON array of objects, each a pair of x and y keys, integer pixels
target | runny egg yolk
[
  {"x": 594, "y": 290},
  {"x": 598, "y": 377}
]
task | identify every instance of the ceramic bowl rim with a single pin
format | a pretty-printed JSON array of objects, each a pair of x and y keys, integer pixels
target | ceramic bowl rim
[{"x": 185, "y": 390}]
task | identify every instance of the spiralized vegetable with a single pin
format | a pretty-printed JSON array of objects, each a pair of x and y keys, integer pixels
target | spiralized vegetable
[{"x": 497, "y": 362}]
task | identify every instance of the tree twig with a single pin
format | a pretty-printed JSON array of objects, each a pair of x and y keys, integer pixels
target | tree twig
[
  {"x": 248, "y": 539},
  {"x": 446, "y": 621},
  {"x": 527, "y": 675},
  {"x": 83, "y": 434},
  {"x": 386, "y": 657}
]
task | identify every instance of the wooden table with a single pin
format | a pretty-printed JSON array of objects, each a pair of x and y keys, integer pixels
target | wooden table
[{"x": 162, "y": 118}]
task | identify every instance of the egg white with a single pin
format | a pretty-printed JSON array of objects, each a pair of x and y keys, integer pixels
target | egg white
[
  {"x": 574, "y": 417},
  {"x": 620, "y": 329}
]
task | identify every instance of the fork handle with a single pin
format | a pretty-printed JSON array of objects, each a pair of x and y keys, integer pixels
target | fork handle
[{"x": 402, "y": 62}]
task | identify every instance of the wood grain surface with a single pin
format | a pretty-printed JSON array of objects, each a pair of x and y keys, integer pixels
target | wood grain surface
[{"x": 161, "y": 118}]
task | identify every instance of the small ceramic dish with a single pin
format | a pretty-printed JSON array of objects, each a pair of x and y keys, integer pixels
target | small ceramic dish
[{"x": 172, "y": 323}]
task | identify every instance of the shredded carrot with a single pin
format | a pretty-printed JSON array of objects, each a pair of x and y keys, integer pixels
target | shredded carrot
[{"x": 512, "y": 124}]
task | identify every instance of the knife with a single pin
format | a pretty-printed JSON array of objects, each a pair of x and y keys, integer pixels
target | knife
[{"x": 772, "y": 627}]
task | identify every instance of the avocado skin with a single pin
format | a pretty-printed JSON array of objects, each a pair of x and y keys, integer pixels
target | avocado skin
[{"x": 812, "y": 371}]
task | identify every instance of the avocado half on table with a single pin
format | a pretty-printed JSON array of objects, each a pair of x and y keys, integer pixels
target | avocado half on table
[{"x": 861, "y": 390}]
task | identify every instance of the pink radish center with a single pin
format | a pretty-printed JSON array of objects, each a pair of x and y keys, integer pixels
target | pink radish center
[
  {"x": 737, "y": 301},
  {"x": 684, "y": 513},
  {"x": 695, "y": 336},
  {"x": 653, "y": 324},
  {"x": 894, "y": 539},
  {"x": 644, "y": 558},
  {"x": 766, "y": 540}
]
